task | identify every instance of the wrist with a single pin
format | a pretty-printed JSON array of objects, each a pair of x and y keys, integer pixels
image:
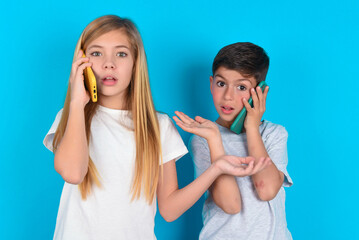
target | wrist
[
  {"x": 215, "y": 168},
  {"x": 252, "y": 128},
  {"x": 77, "y": 104}
]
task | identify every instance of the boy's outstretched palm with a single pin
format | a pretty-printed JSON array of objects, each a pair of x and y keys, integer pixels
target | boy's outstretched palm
[{"x": 199, "y": 126}]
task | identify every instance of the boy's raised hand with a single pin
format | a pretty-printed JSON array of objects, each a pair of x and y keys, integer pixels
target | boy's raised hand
[
  {"x": 199, "y": 126},
  {"x": 255, "y": 114}
]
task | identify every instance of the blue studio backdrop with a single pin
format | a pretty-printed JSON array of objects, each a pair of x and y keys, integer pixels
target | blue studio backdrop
[{"x": 313, "y": 48}]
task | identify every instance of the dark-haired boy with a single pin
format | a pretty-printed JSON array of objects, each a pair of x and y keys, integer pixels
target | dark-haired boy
[{"x": 251, "y": 207}]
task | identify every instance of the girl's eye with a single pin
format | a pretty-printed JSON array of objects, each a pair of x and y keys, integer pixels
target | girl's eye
[
  {"x": 121, "y": 54},
  {"x": 242, "y": 88},
  {"x": 220, "y": 84},
  {"x": 96, "y": 54}
]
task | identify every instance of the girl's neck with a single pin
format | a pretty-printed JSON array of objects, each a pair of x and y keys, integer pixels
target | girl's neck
[{"x": 113, "y": 102}]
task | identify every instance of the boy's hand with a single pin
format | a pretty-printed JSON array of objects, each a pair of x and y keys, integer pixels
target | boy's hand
[
  {"x": 255, "y": 114},
  {"x": 200, "y": 126},
  {"x": 239, "y": 166}
]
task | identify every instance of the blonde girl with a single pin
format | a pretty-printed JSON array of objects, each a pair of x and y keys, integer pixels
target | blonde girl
[{"x": 118, "y": 155}]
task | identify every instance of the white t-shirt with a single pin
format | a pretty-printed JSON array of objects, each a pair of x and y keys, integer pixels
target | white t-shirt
[{"x": 108, "y": 212}]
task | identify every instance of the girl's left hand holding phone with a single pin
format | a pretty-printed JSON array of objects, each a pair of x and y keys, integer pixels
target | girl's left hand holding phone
[{"x": 255, "y": 114}]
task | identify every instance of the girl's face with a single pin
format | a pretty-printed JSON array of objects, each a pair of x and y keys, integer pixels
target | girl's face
[
  {"x": 228, "y": 88},
  {"x": 112, "y": 61}
]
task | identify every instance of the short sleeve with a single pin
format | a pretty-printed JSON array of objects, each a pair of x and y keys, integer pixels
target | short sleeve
[
  {"x": 199, "y": 151},
  {"x": 50, "y": 135},
  {"x": 172, "y": 143},
  {"x": 276, "y": 145}
]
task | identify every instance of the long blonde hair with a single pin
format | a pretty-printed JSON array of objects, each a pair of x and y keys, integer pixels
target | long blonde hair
[{"x": 138, "y": 101}]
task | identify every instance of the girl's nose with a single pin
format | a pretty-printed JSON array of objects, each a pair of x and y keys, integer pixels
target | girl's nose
[{"x": 109, "y": 64}]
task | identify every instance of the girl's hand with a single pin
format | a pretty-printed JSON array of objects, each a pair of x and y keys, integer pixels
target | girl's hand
[
  {"x": 78, "y": 91},
  {"x": 241, "y": 167},
  {"x": 200, "y": 126},
  {"x": 255, "y": 114}
]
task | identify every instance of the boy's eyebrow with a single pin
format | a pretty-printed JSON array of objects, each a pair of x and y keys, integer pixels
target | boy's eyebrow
[
  {"x": 237, "y": 80},
  {"x": 118, "y": 46}
]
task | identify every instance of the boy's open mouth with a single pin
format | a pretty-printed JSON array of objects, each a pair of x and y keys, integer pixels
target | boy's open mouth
[{"x": 227, "y": 109}]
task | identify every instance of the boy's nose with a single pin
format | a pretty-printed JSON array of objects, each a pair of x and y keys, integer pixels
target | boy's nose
[{"x": 229, "y": 93}]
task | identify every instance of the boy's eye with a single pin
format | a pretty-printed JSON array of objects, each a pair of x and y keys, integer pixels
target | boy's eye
[
  {"x": 220, "y": 84},
  {"x": 96, "y": 54},
  {"x": 242, "y": 88},
  {"x": 121, "y": 54}
]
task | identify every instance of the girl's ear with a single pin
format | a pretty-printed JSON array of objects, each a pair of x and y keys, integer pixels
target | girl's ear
[{"x": 210, "y": 82}]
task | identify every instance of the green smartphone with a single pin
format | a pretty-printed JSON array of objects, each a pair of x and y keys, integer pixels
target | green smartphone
[{"x": 237, "y": 125}]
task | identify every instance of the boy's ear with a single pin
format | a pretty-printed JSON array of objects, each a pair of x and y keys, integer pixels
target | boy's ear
[{"x": 210, "y": 82}]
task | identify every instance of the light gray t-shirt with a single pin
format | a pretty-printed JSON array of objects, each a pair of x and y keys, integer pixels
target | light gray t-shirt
[{"x": 257, "y": 220}]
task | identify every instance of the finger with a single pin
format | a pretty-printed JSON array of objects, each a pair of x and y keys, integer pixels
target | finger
[
  {"x": 265, "y": 93},
  {"x": 260, "y": 95},
  {"x": 177, "y": 120},
  {"x": 184, "y": 117},
  {"x": 183, "y": 125},
  {"x": 249, "y": 169},
  {"x": 80, "y": 70},
  {"x": 200, "y": 119},
  {"x": 78, "y": 62},
  {"x": 248, "y": 159},
  {"x": 259, "y": 165},
  {"x": 255, "y": 98},
  {"x": 247, "y": 105},
  {"x": 79, "y": 54}
]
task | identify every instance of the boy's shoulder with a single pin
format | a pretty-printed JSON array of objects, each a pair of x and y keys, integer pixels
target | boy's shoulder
[{"x": 269, "y": 129}]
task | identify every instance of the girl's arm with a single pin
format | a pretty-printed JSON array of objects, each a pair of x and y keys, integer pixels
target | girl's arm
[
  {"x": 268, "y": 181},
  {"x": 71, "y": 156},
  {"x": 173, "y": 202}
]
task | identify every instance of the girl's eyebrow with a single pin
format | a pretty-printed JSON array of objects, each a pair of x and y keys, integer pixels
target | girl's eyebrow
[{"x": 118, "y": 46}]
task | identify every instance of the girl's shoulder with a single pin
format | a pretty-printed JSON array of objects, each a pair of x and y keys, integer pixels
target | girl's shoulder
[{"x": 163, "y": 118}]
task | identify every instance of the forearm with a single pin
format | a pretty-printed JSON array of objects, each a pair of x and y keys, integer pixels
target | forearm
[
  {"x": 224, "y": 190},
  {"x": 268, "y": 181},
  {"x": 71, "y": 156},
  {"x": 181, "y": 200}
]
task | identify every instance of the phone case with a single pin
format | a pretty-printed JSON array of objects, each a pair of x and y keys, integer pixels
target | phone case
[
  {"x": 90, "y": 82},
  {"x": 237, "y": 125}
]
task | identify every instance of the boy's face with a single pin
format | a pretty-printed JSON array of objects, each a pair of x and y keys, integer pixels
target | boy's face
[{"x": 228, "y": 88}]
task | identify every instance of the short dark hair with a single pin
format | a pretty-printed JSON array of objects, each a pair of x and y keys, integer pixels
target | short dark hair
[{"x": 244, "y": 57}]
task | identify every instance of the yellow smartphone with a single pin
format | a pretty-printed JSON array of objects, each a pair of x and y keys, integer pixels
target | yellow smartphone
[{"x": 90, "y": 82}]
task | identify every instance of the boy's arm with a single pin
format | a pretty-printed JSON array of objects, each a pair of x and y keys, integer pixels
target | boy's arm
[
  {"x": 173, "y": 202},
  {"x": 268, "y": 181},
  {"x": 224, "y": 190}
]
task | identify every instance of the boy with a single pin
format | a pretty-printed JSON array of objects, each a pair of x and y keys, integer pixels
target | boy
[{"x": 250, "y": 207}]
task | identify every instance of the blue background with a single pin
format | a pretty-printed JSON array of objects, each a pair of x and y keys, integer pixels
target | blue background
[{"x": 313, "y": 47}]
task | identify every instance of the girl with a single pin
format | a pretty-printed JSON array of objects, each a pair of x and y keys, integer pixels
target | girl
[{"x": 117, "y": 155}]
